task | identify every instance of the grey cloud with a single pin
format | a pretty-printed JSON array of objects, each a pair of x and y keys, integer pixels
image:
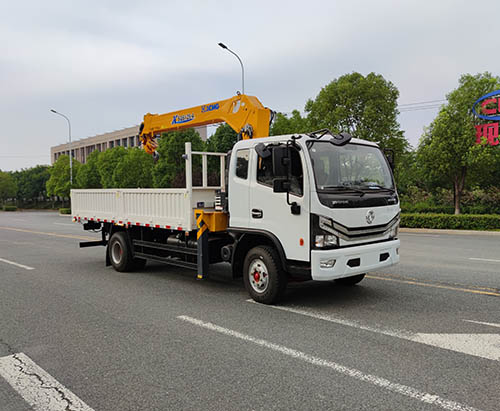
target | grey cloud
[{"x": 106, "y": 63}]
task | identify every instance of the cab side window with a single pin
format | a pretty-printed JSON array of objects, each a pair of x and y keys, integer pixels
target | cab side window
[
  {"x": 242, "y": 163},
  {"x": 265, "y": 172},
  {"x": 296, "y": 178}
]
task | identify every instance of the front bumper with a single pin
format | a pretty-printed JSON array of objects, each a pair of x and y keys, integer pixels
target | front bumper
[{"x": 369, "y": 256}]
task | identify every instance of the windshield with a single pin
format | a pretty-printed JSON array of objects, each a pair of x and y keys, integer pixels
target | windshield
[{"x": 350, "y": 167}]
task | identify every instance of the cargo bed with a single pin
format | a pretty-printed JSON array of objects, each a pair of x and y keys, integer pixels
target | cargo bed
[{"x": 170, "y": 208}]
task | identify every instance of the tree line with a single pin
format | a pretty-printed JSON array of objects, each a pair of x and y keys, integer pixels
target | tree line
[{"x": 447, "y": 168}]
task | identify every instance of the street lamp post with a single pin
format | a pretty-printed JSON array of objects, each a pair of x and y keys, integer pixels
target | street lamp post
[
  {"x": 241, "y": 63},
  {"x": 70, "y": 151}
]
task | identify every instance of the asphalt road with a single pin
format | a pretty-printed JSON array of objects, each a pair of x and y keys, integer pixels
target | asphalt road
[{"x": 421, "y": 335}]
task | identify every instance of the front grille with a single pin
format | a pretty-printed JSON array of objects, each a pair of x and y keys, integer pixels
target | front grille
[{"x": 359, "y": 233}]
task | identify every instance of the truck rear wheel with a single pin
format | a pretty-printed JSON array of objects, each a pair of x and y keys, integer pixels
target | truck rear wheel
[
  {"x": 350, "y": 280},
  {"x": 263, "y": 275},
  {"x": 120, "y": 253}
]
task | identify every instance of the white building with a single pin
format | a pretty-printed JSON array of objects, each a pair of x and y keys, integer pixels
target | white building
[{"x": 127, "y": 137}]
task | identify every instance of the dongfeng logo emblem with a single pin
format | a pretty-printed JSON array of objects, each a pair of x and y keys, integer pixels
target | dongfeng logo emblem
[{"x": 370, "y": 216}]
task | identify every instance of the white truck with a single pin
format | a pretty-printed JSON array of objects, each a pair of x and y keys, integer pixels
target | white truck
[{"x": 318, "y": 206}]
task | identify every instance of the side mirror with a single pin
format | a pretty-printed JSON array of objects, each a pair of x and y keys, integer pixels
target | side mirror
[
  {"x": 389, "y": 154},
  {"x": 281, "y": 161},
  {"x": 281, "y": 185},
  {"x": 262, "y": 150}
]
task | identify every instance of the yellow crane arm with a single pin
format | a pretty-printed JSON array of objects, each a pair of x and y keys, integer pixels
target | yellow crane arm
[{"x": 245, "y": 114}]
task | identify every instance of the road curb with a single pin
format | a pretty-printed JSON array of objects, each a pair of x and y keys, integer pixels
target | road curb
[{"x": 440, "y": 231}]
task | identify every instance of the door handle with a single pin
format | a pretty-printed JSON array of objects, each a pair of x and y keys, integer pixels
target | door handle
[{"x": 256, "y": 213}]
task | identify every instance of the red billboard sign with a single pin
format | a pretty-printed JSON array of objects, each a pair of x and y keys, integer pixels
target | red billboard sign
[{"x": 487, "y": 107}]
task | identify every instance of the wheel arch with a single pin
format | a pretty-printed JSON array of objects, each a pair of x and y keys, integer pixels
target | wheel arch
[{"x": 245, "y": 240}]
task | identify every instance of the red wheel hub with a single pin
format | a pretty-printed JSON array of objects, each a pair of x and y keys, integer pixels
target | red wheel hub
[{"x": 256, "y": 276}]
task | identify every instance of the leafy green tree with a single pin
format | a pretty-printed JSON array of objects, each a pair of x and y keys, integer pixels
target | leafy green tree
[
  {"x": 106, "y": 164},
  {"x": 223, "y": 139},
  {"x": 488, "y": 175},
  {"x": 8, "y": 186},
  {"x": 59, "y": 182},
  {"x": 31, "y": 183},
  {"x": 88, "y": 174},
  {"x": 169, "y": 171},
  {"x": 134, "y": 170},
  {"x": 365, "y": 107},
  {"x": 284, "y": 124},
  {"x": 448, "y": 148},
  {"x": 406, "y": 172}
]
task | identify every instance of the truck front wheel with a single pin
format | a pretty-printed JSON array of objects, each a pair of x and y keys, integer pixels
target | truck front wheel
[
  {"x": 263, "y": 275},
  {"x": 119, "y": 252}
]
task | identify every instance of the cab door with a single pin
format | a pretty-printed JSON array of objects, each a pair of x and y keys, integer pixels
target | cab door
[
  {"x": 238, "y": 188},
  {"x": 270, "y": 212}
]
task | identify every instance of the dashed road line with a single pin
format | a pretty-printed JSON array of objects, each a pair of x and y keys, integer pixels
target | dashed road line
[
  {"x": 483, "y": 323},
  {"x": 72, "y": 225},
  {"x": 77, "y": 237},
  {"x": 26, "y": 267},
  {"x": 478, "y": 345},
  {"x": 381, "y": 382},
  {"x": 484, "y": 291},
  {"x": 37, "y": 387},
  {"x": 489, "y": 260}
]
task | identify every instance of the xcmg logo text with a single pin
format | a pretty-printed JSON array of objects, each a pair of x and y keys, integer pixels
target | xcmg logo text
[{"x": 209, "y": 107}]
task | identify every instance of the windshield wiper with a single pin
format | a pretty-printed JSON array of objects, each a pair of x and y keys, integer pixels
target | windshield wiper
[
  {"x": 379, "y": 187},
  {"x": 345, "y": 188}
]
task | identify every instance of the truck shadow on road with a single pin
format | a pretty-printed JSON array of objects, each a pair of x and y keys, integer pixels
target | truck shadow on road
[
  {"x": 307, "y": 294},
  {"x": 330, "y": 294}
]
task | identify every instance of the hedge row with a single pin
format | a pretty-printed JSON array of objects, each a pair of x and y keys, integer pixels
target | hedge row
[
  {"x": 444, "y": 209},
  {"x": 9, "y": 208},
  {"x": 65, "y": 211},
  {"x": 450, "y": 221}
]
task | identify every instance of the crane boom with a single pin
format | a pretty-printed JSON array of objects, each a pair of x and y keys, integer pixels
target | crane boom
[{"x": 244, "y": 114}]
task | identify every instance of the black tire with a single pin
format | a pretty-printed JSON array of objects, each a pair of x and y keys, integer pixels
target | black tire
[
  {"x": 139, "y": 263},
  {"x": 120, "y": 253},
  {"x": 269, "y": 284},
  {"x": 350, "y": 280}
]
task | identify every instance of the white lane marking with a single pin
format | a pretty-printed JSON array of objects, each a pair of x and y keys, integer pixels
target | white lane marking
[
  {"x": 490, "y": 260},
  {"x": 38, "y": 388},
  {"x": 72, "y": 225},
  {"x": 341, "y": 369},
  {"x": 341, "y": 321},
  {"x": 483, "y": 323},
  {"x": 479, "y": 345},
  {"x": 16, "y": 264}
]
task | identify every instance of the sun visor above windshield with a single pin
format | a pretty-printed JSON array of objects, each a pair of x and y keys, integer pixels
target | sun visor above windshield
[
  {"x": 337, "y": 139},
  {"x": 340, "y": 139}
]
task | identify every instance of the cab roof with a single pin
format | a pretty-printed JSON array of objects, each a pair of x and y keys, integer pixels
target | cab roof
[{"x": 301, "y": 141}]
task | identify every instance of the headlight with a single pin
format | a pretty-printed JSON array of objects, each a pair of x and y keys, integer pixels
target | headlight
[
  {"x": 323, "y": 234},
  {"x": 393, "y": 233},
  {"x": 321, "y": 241}
]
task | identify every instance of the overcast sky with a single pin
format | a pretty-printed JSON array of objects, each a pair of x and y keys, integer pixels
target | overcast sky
[{"x": 106, "y": 63}]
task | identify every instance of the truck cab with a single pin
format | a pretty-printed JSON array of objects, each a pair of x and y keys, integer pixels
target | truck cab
[{"x": 326, "y": 204}]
